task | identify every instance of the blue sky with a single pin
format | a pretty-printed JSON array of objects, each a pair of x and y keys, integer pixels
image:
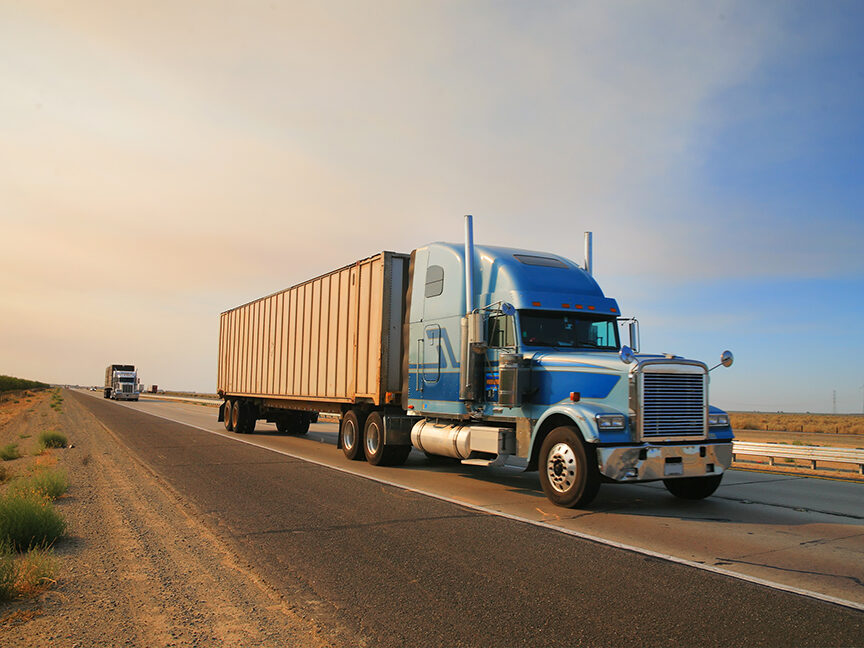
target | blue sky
[{"x": 164, "y": 162}]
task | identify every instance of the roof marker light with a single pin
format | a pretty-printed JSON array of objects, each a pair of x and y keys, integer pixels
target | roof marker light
[
  {"x": 613, "y": 310},
  {"x": 590, "y": 308},
  {"x": 578, "y": 305},
  {"x": 575, "y": 397},
  {"x": 565, "y": 305},
  {"x": 535, "y": 303}
]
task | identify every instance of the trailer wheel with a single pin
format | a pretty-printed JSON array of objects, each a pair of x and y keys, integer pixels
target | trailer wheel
[
  {"x": 693, "y": 488},
  {"x": 248, "y": 418},
  {"x": 226, "y": 415},
  {"x": 568, "y": 469},
  {"x": 352, "y": 434},
  {"x": 235, "y": 416}
]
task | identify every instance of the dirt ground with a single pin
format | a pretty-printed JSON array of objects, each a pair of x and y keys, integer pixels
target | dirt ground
[{"x": 139, "y": 568}]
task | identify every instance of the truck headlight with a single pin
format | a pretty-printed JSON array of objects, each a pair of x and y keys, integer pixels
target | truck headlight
[
  {"x": 611, "y": 421},
  {"x": 718, "y": 420}
]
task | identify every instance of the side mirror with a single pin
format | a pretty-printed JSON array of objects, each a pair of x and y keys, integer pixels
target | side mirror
[
  {"x": 626, "y": 354},
  {"x": 726, "y": 359},
  {"x": 507, "y": 309}
]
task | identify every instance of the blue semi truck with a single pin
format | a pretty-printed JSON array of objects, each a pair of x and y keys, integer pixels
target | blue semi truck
[{"x": 481, "y": 354}]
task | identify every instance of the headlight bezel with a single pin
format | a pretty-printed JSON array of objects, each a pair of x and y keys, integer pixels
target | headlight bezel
[
  {"x": 611, "y": 421},
  {"x": 718, "y": 420}
]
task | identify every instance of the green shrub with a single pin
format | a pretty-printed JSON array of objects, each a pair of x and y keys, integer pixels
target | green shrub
[
  {"x": 26, "y": 575},
  {"x": 8, "y": 573},
  {"x": 43, "y": 483},
  {"x": 35, "y": 572},
  {"x": 52, "y": 439},
  {"x": 9, "y": 452},
  {"x": 28, "y": 521}
]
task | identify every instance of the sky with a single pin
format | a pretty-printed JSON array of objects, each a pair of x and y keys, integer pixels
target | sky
[{"x": 161, "y": 162}]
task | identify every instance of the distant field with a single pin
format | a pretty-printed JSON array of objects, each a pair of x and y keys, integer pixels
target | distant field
[
  {"x": 814, "y": 423},
  {"x": 10, "y": 383}
]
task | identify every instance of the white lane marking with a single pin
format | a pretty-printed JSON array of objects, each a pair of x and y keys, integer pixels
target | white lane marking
[{"x": 517, "y": 518}]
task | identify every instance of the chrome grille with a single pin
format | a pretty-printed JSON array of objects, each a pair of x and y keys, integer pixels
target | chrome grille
[
  {"x": 673, "y": 404},
  {"x": 127, "y": 388}
]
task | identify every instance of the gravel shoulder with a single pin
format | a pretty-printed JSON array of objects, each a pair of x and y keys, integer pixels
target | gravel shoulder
[{"x": 139, "y": 568}]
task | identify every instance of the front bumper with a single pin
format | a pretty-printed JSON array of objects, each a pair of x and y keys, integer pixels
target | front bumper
[{"x": 648, "y": 462}]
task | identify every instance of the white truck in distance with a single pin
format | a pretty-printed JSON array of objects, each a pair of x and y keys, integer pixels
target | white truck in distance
[{"x": 121, "y": 382}]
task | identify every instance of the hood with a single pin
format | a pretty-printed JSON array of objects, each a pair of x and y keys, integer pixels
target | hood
[{"x": 580, "y": 360}]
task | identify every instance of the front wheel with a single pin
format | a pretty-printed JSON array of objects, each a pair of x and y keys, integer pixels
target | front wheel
[
  {"x": 568, "y": 469},
  {"x": 693, "y": 488}
]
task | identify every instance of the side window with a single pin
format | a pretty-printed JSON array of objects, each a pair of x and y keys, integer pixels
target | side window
[
  {"x": 502, "y": 332},
  {"x": 434, "y": 281}
]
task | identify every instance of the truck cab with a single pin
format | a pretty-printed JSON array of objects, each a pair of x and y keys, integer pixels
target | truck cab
[{"x": 531, "y": 365}]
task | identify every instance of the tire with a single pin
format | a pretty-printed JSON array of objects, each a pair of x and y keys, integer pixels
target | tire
[
  {"x": 237, "y": 417},
  {"x": 248, "y": 418},
  {"x": 568, "y": 468},
  {"x": 226, "y": 415},
  {"x": 351, "y": 434},
  {"x": 693, "y": 488}
]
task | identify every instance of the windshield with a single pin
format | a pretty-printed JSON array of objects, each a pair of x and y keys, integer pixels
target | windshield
[{"x": 568, "y": 330}]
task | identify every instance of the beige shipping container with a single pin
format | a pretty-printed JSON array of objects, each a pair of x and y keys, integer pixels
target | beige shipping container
[{"x": 331, "y": 340}]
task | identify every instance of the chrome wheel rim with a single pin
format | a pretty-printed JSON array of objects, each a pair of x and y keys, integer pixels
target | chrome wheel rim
[
  {"x": 349, "y": 434},
  {"x": 373, "y": 439},
  {"x": 561, "y": 467}
]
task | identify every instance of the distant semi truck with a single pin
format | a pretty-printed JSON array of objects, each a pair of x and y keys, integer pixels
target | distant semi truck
[
  {"x": 121, "y": 382},
  {"x": 477, "y": 354}
]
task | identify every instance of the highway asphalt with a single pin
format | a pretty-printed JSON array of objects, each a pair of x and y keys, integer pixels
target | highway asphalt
[{"x": 402, "y": 569}]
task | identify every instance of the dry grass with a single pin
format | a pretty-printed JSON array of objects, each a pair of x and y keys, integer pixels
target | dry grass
[
  {"x": 26, "y": 575},
  {"x": 812, "y": 423}
]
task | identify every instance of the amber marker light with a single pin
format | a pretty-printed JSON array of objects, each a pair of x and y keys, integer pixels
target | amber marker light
[
  {"x": 579, "y": 306},
  {"x": 565, "y": 305},
  {"x": 535, "y": 303},
  {"x": 590, "y": 308},
  {"x": 575, "y": 397},
  {"x": 613, "y": 310}
]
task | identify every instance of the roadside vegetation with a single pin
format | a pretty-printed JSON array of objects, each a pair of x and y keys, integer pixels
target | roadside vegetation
[
  {"x": 52, "y": 439},
  {"x": 808, "y": 423},
  {"x": 10, "y": 383},
  {"x": 30, "y": 482}
]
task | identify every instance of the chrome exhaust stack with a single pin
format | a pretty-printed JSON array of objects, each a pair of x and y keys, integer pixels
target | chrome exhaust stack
[
  {"x": 589, "y": 254},
  {"x": 473, "y": 338}
]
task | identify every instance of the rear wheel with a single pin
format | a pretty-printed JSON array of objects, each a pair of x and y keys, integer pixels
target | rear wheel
[
  {"x": 376, "y": 452},
  {"x": 226, "y": 416},
  {"x": 352, "y": 434},
  {"x": 235, "y": 417},
  {"x": 568, "y": 469},
  {"x": 693, "y": 488}
]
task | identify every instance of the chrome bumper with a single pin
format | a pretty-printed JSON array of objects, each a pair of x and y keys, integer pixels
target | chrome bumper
[{"x": 647, "y": 462}]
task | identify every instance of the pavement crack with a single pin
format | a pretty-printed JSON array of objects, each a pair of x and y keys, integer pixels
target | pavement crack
[
  {"x": 797, "y": 509},
  {"x": 725, "y": 561}
]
